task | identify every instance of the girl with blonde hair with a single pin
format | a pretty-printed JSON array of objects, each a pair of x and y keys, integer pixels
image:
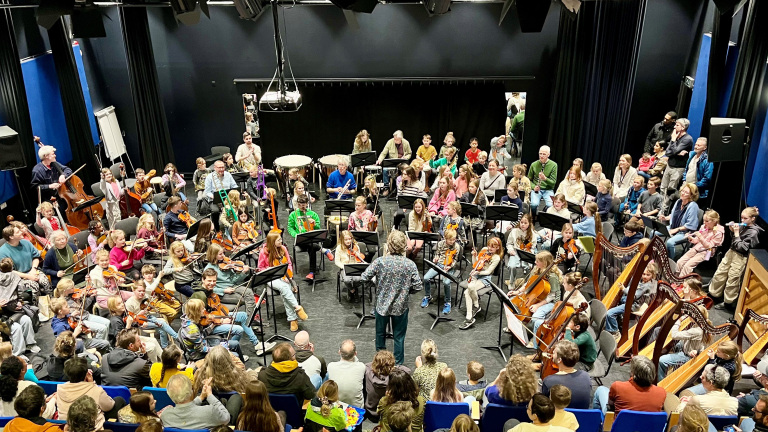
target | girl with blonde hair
[
  {"x": 445, "y": 388},
  {"x": 427, "y": 368},
  {"x": 145, "y": 229},
  {"x": 325, "y": 410},
  {"x": 483, "y": 266},
  {"x": 227, "y": 375},
  {"x": 180, "y": 265},
  {"x": 113, "y": 191},
  {"x": 704, "y": 243}
]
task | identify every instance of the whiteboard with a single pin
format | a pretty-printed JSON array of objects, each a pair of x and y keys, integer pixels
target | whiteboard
[{"x": 111, "y": 134}]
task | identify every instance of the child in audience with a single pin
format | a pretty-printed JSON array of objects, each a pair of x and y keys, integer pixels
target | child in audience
[
  {"x": 523, "y": 182},
  {"x": 633, "y": 233},
  {"x": 572, "y": 187},
  {"x": 522, "y": 237},
  {"x": 445, "y": 388},
  {"x": 647, "y": 286},
  {"x": 728, "y": 355},
  {"x": 475, "y": 375},
  {"x": 471, "y": 155},
  {"x": 446, "y": 258},
  {"x": 561, "y": 398},
  {"x": 595, "y": 174},
  {"x": 629, "y": 205},
  {"x": 590, "y": 225},
  {"x": 650, "y": 201},
  {"x": 704, "y": 243},
  {"x": 453, "y": 220},
  {"x": 604, "y": 199},
  {"x": 645, "y": 163},
  {"x": 324, "y": 411}
]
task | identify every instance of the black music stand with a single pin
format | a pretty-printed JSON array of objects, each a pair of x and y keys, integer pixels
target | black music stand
[
  {"x": 498, "y": 194},
  {"x": 575, "y": 208},
  {"x": 508, "y": 213},
  {"x": 357, "y": 270},
  {"x": 590, "y": 189},
  {"x": 504, "y": 300},
  {"x": 553, "y": 223},
  {"x": 406, "y": 201},
  {"x": 264, "y": 277},
  {"x": 362, "y": 159},
  {"x": 389, "y": 164},
  {"x": 368, "y": 238},
  {"x": 256, "y": 317},
  {"x": 657, "y": 227},
  {"x": 428, "y": 238},
  {"x": 217, "y": 198},
  {"x": 440, "y": 275},
  {"x": 305, "y": 241},
  {"x": 469, "y": 209},
  {"x": 246, "y": 251}
]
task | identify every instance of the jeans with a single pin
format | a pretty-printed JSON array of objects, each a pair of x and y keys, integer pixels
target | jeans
[
  {"x": 600, "y": 400},
  {"x": 237, "y": 330},
  {"x": 149, "y": 208},
  {"x": 182, "y": 196},
  {"x": 99, "y": 326},
  {"x": 22, "y": 334},
  {"x": 612, "y": 318},
  {"x": 399, "y": 327},
  {"x": 671, "y": 359},
  {"x": 164, "y": 328},
  {"x": 674, "y": 241},
  {"x": 536, "y": 197},
  {"x": 311, "y": 250},
  {"x": 538, "y": 318},
  {"x": 289, "y": 300},
  {"x": 698, "y": 389},
  {"x": 185, "y": 289},
  {"x": 431, "y": 274},
  {"x": 644, "y": 174}
]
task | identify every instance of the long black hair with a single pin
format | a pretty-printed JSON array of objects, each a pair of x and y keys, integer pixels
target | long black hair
[
  {"x": 402, "y": 387},
  {"x": 10, "y": 371}
]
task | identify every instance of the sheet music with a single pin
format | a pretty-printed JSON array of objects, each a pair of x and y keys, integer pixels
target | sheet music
[{"x": 516, "y": 326}]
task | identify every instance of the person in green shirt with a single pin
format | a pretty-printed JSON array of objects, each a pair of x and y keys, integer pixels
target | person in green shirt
[
  {"x": 543, "y": 176},
  {"x": 449, "y": 153},
  {"x": 325, "y": 411},
  {"x": 300, "y": 221},
  {"x": 578, "y": 334}
]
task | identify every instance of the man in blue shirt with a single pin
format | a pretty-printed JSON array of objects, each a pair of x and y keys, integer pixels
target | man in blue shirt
[
  {"x": 218, "y": 180},
  {"x": 338, "y": 179}
]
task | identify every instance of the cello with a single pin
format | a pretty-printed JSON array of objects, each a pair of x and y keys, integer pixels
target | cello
[
  {"x": 548, "y": 366},
  {"x": 561, "y": 314},
  {"x": 536, "y": 290}
]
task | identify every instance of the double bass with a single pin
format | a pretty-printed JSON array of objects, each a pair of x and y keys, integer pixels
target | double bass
[{"x": 536, "y": 290}]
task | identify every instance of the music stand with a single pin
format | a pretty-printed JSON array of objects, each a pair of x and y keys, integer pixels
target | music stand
[
  {"x": 590, "y": 189},
  {"x": 357, "y": 270},
  {"x": 575, "y": 208},
  {"x": 440, "y": 275},
  {"x": 247, "y": 250},
  {"x": 553, "y": 223},
  {"x": 427, "y": 238},
  {"x": 368, "y": 238},
  {"x": 498, "y": 194},
  {"x": 253, "y": 318},
  {"x": 217, "y": 198},
  {"x": 504, "y": 300},
  {"x": 264, "y": 277},
  {"x": 192, "y": 231},
  {"x": 406, "y": 201},
  {"x": 496, "y": 213},
  {"x": 657, "y": 227},
  {"x": 305, "y": 241},
  {"x": 390, "y": 164},
  {"x": 362, "y": 159},
  {"x": 471, "y": 210}
]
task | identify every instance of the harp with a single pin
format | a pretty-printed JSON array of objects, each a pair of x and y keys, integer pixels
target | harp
[
  {"x": 758, "y": 325},
  {"x": 754, "y": 293},
  {"x": 611, "y": 265}
]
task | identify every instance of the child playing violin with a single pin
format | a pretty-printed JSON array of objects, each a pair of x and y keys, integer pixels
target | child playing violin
[
  {"x": 541, "y": 309},
  {"x": 192, "y": 333},
  {"x": 522, "y": 237},
  {"x": 361, "y": 218},
  {"x": 221, "y": 320},
  {"x": 144, "y": 188},
  {"x": 174, "y": 226},
  {"x": 274, "y": 254},
  {"x": 348, "y": 252},
  {"x": 119, "y": 320},
  {"x": 226, "y": 220},
  {"x": 122, "y": 256},
  {"x": 146, "y": 310},
  {"x": 95, "y": 240},
  {"x": 566, "y": 245},
  {"x": 300, "y": 221},
  {"x": 483, "y": 266},
  {"x": 112, "y": 193},
  {"x": 204, "y": 237},
  {"x": 162, "y": 299},
  {"x": 49, "y": 222},
  {"x": 228, "y": 276},
  {"x": 180, "y": 266},
  {"x": 446, "y": 257},
  {"x": 145, "y": 229},
  {"x": 64, "y": 307},
  {"x": 106, "y": 280},
  {"x": 453, "y": 220},
  {"x": 243, "y": 231}
]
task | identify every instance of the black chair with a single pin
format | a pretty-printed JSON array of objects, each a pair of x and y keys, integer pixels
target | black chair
[
  {"x": 608, "y": 349},
  {"x": 597, "y": 317}
]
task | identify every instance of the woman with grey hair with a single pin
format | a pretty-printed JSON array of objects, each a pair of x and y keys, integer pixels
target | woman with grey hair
[{"x": 395, "y": 276}]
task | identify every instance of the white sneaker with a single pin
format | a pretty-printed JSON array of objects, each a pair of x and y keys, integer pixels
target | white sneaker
[
  {"x": 42, "y": 317},
  {"x": 34, "y": 349},
  {"x": 245, "y": 358},
  {"x": 261, "y": 347}
]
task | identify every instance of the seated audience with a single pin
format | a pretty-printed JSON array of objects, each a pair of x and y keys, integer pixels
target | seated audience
[
  {"x": 683, "y": 218},
  {"x": 445, "y": 388},
  {"x": 12, "y": 384},
  {"x": 349, "y": 374},
  {"x": 30, "y": 406},
  {"x": 141, "y": 408},
  {"x": 560, "y": 396},
  {"x": 515, "y": 385},
  {"x": 257, "y": 413},
  {"x": 541, "y": 411},
  {"x": 578, "y": 382},
  {"x": 704, "y": 243},
  {"x": 475, "y": 375},
  {"x": 577, "y": 333},
  {"x": 13, "y": 288},
  {"x": 83, "y": 416},
  {"x": 325, "y": 411},
  {"x": 759, "y": 420},
  {"x": 81, "y": 384},
  {"x": 189, "y": 412},
  {"x": 715, "y": 401},
  {"x": 284, "y": 376},
  {"x": 463, "y": 423},
  {"x": 170, "y": 365},
  {"x": 126, "y": 365},
  {"x": 638, "y": 393},
  {"x": 400, "y": 417},
  {"x": 427, "y": 368},
  {"x": 377, "y": 378},
  {"x": 313, "y": 364},
  {"x": 402, "y": 388},
  {"x": 228, "y": 376},
  {"x": 633, "y": 233}
]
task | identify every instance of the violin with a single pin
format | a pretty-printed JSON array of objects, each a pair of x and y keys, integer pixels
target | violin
[
  {"x": 536, "y": 290},
  {"x": 74, "y": 322},
  {"x": 186, "y": 218},
  {"x": 570, "y": 246},
  {"x": 224, "y": 243},
  {"x": 426, "y": 223},
  {"x": 110, "y": 273},
  {"x": 483, "y": 258},
  {"x": 135, "y": 244},
  {"x": 215, "y": 312},
  {"x": 449, "y": 256},
  {"x": 36, "y": 241},
  {"x": 188, "y": 258},
  {"x": 228, "y": 264},
  {"x": 353, "y": 254},
  {"x": 81, "y": 293},
  {"x": 146, "y": 184},
  {"x": 160, "y": 293},
  {"x": 138, "y": 318},
  {"x": 523, "y": 246}
]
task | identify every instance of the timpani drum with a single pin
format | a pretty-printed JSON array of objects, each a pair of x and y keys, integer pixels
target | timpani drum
[
  {"x": 332, "y": 222},
  {"x": 157, "y": 184},
  {"x": 329, "y": 163},
  {"x": 284, "y": 163}
]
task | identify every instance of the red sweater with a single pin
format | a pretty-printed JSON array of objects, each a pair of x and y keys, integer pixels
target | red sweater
[{"x": 628, "y": 395}]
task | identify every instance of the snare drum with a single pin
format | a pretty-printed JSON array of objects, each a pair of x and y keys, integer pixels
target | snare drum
[{"x": 285, "y": 163}]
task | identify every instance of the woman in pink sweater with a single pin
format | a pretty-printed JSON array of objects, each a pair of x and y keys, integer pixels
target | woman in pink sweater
[{"x": 704, "y": 242}]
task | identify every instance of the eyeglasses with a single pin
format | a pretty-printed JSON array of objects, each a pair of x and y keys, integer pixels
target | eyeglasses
[{"x": 754, "y": 409}]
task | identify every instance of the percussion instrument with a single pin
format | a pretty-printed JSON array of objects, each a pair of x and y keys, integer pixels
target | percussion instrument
[
  {"x": 285, "y": 163},
  {"x": 333, "y": 221},
  {"x": 328, "y": 163},
  {"x": 157, "y": 184}
]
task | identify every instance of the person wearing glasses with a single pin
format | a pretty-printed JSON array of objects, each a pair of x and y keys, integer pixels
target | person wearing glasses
[
  {"x": 759, "y": 420},
  {"x": 48, "y": 175}
]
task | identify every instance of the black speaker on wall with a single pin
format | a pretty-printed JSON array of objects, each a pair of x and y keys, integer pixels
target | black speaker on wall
[
  {"x": 530, "y": 13},
  {"x": 11, "y": 156},
  {"x": 726, "y": 139}
]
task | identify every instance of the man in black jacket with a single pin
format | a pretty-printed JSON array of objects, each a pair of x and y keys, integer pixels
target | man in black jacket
[
  {"x": 126, "y": 365},
  {"x": 284, "y": 376},
  {"x": 660, "y": 131},
  {"x": 677, "y": 154}
]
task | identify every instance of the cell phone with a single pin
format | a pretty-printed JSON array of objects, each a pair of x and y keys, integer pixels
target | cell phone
[{"x": 729, "y": 428}]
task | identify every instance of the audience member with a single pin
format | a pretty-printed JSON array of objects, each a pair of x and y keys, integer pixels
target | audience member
[
  {"x": 541, "y": 411},
  {"x": 715, "y": 401},
  {"x": 349, "y": 374},
  {"x": 189, "y": 412},
  {"x": 400, "y": 417},
  {"x": 257, "y": 413},
  {"x": 515, "y": 385},
  {"x": 81, "y": 384},
  {"x": 140, "y": 408},
  {"x": 313, "y": 364},
  {"x": 284, "y": 376},
  {"x": 83, "y": 416},
  {"x": 475, "y": 375},
  {"x": 126, "y": 364},
  {"x": 639, "y": 393},
  {"x": 30, "y": 406},
  {"x": 693, "y": 419},
  {"x": 377, "y": 378},
  {"x": 170, "y": 365},
  {"x": 577, "y": 381},
  {"x": 560, "y": 396},
  {"x": 12, "y": 383},
  {"x": 445, "y": 389},
  {"x": 402, "y": 388},
  {"x": 759, "y": 420},
  {"x": 427, "y": 368},
  {"x": 325, "y": 410}
]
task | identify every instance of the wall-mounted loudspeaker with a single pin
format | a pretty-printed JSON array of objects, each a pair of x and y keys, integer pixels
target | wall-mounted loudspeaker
[
  {"x": 250, "y": 9},
  {"x": 726, "y": 139},
  {"x": 11, "y": 156}
]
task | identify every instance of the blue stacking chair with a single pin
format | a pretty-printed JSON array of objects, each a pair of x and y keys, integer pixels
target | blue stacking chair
[
  {"x": 170, "y": 429},
  {"x": 49, "y": 386},
  {"x": 590, "y": 420},
  {"x": 162, "y": 399},
  {"x": 115, "y": 391},
  {"x": 120, "y": 427},
  {"x": 4, "y": 420},
  {"x": 720, "y": 422},
  {"x": 438, "y": 415},
  {"x": 496, "y": 415},
  {"x": 288, "y": 403},
  {"x": 639, "y": 421}
]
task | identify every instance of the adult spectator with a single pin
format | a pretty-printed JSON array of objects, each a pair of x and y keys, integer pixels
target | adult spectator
[
  {"x": 427, "y": 368},
  {"x": 683, "y": 218},
  {"x": 30, "y": 406},
  {"x": 189, "y": 412},
  {"x": 396, "y": 148},
  {"x": 22, "y": 326},
  {"x": 314, "y": 365},
  {"x": 170, "y": 364},
  {"x": 515, "y": 385},
  {"x": 26, "y": 261},
  {"x": 126, "y": 365},
  {"x": 492, "y": 180},
  {"x": 257, "y": 413},
  {"x": 228, "y": 375},
  {"x": 349, "y": 374},
  {"x": 716, "y": 401},
  {"x": 692, "y": 419},
  {"x": 82, "y": 416},
  {"x": 377, "y": 378},
  {"x": 141, "y": 408},
  {"x": 543, "y": 175},
  {"x": 81, "y": 384},
  {"x": 12, "y": 383},
  {"x": 248, "y": 154},
  {"x": 566, "y": 356},
  {"x": 395, "y": 276},
  {"x": 638, "y": 393},
  {"x": 680, "y": 145},
  {"x": 660, "y": 131},
  {"x": 698, "y": 169},
  {"x": 748, "y": 401},
  {"x": 284, "y": 376},
  {"x": 660, "y": 161},
  {"x": 759, "y": 420},
  {"x": 402, "y": 387},
  {"x": 623, "y": 176},
  {"x": 541, "y": 411}
]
